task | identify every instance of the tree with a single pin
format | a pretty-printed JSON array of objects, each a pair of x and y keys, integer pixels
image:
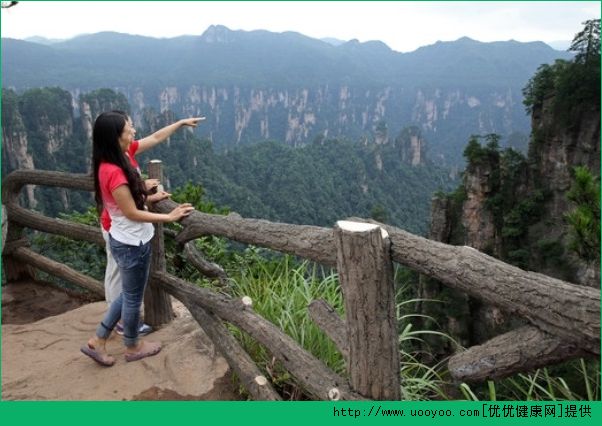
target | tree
[
  {"x": 540, "y": 85},
  {"x": 584, "y": 220},
  {"x": 473, "y": 151},
  {"x": 587, "y": 42}
]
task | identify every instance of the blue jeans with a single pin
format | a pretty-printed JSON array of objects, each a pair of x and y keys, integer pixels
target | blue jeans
[{"x": 134, "y": 264}]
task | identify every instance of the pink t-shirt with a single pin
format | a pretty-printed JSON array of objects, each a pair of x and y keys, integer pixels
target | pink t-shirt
[
  {"x": 105, "y": 219},
  {"x": 122, "y": 229}
]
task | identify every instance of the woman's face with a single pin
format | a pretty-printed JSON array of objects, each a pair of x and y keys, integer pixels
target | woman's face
[{"x": 127, "y": 135}]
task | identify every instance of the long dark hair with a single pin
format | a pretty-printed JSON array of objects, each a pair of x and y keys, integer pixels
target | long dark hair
[{"x": 106, "y": 149}]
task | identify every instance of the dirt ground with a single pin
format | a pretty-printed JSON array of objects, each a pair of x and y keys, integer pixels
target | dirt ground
[{"x": 43, "y": 328}]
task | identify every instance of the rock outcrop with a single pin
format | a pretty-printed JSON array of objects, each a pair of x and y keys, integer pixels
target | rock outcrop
[{"x": 42, "y": 361}]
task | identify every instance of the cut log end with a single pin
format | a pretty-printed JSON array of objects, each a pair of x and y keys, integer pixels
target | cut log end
[
  {"x": 350, "y": 226},
  {"x": 261, "y": 380},
  {"x": 334, "y": 394}
]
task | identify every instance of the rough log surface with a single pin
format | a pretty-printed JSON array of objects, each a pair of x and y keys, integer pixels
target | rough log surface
[
  {"x": 568, "y": 311},
  {"x": 316, "y": 378},
  {"x": 366, "y": 275},
  {"x": 310, "y": 242},
  {"x": 12, "y": 184},
  {"x": 39, "y": 222},
  {"x": 30, "y": 257},
  {"x": 329, "y": 321},
  {"x": 523, "y": 349},
  {"x": 157, "y": 304},
  {"x": 15, "y": 270},
  {"x": 209, "y": 269},
  {"x": 240, "y": 362}
]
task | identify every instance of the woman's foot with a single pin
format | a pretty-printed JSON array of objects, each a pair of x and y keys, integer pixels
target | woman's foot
[
  {"x": 142, "y": 350},
  {"x": 96, "y": 350}
]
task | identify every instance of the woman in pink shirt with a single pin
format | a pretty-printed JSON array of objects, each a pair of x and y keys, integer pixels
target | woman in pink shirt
[
  {"x": 112, "y": 280},
  {"x": 120, "y": 190}
]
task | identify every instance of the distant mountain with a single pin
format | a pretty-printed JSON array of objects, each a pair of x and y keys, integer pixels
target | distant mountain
[
  {"x": 258, "y": 85},
  {"x": 332, "y": 41}
]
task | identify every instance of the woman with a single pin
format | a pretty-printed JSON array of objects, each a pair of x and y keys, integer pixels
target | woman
[
  {"x": 120, "y": 190},
  {"x": 112, "y": 280}
]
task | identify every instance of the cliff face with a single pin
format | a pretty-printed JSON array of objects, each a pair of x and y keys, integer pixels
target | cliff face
[
  {"x": 556, "y": 150},
  {"x": 412, "y": 146},
  {"x": 477, "y": 219},
  {"x": 15, "y": 144},
  {"x": 239, "y": 115},
  {"x": 39, "y": 132},
  {"x": 515, "y": 210},
  {"x": 15, "y": 154}
]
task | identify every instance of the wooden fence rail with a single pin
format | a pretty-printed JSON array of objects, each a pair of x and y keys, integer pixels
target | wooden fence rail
[{"x": 564, "y": 318}]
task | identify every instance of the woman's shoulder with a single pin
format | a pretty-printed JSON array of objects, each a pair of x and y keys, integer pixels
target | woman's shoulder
[{"x": 108, "y": 169}]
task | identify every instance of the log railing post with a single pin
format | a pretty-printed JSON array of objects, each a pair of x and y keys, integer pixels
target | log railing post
[
  {"x": 13, "y": 237},
  {"x": 366, "y": 275},
  {"x": 15, "y": 270},
  {"x": 157, "y": 303}
]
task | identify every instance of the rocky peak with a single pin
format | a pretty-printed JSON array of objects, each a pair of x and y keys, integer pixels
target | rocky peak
[
  {"x": 218, "y": 34},
  {"x": 412, "y": 146},
  {"x": 477, "y": 219}
]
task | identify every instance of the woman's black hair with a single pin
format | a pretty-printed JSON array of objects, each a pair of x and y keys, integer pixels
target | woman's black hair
[{"x": 106, "y": 149}]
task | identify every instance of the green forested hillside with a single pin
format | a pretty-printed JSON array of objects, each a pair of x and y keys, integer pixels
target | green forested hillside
[{"x": 317, "y": 184}]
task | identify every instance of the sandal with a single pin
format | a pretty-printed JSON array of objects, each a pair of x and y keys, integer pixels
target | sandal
[
  {"x": 146, "y": 349},
  {"x": 104, "y": 360}
]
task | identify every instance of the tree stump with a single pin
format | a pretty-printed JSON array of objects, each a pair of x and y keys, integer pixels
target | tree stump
[{"x": 366, "y": 275}]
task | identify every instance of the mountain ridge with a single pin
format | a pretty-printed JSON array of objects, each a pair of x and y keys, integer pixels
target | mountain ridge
[{"x": 258, "y": 85}]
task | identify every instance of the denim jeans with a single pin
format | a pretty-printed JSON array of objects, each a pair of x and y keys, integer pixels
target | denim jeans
[{"x": 133, "y": 263}]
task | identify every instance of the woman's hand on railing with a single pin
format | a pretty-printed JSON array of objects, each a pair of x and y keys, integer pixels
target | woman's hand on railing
[
  {"x": 159, "y": 196},
  {"x": 181, "y": 211}
]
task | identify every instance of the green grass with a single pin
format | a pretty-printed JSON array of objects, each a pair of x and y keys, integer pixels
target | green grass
[
  {"x": 545, "y": 384},
  {"x": 281, "y": 289}
]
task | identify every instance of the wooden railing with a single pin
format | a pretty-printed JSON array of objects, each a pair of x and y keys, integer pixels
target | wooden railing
[{"x": 564, "y": 319}]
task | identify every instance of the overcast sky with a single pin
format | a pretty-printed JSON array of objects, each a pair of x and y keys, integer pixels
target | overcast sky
[{"x": 404, "y": 26}]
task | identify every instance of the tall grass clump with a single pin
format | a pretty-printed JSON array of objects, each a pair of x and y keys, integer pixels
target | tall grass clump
[
  {"x": 419, "y": 381},
  {"x": 576, "y": 380},
  {"x": 281, "y": 289}
]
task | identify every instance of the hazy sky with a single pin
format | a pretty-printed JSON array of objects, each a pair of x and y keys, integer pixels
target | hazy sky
[{"x": 404, "y": 26}]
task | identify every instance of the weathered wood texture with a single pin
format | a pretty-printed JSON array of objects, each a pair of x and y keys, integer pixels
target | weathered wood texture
[
  {"x": 314, "y": 376},
  {"x": 568, "y": 311},
  {"x": 30, "y": 257},
  {"x": 523, "y": 349},
  {"x": 240, "y": 362},
  {"x": 329, "y": 321},
  {"x": 366, "y": 275},
  {"x": 19, "y": 217},
  {"x": 209, "y": 269},
  {"x": 39, "y": 222},
  {"x": 12, "y": 184},
  {"x": 14, "y": 269},
  {"x": 157, "y": 304},
  {"x": 311, "y": 242}
]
